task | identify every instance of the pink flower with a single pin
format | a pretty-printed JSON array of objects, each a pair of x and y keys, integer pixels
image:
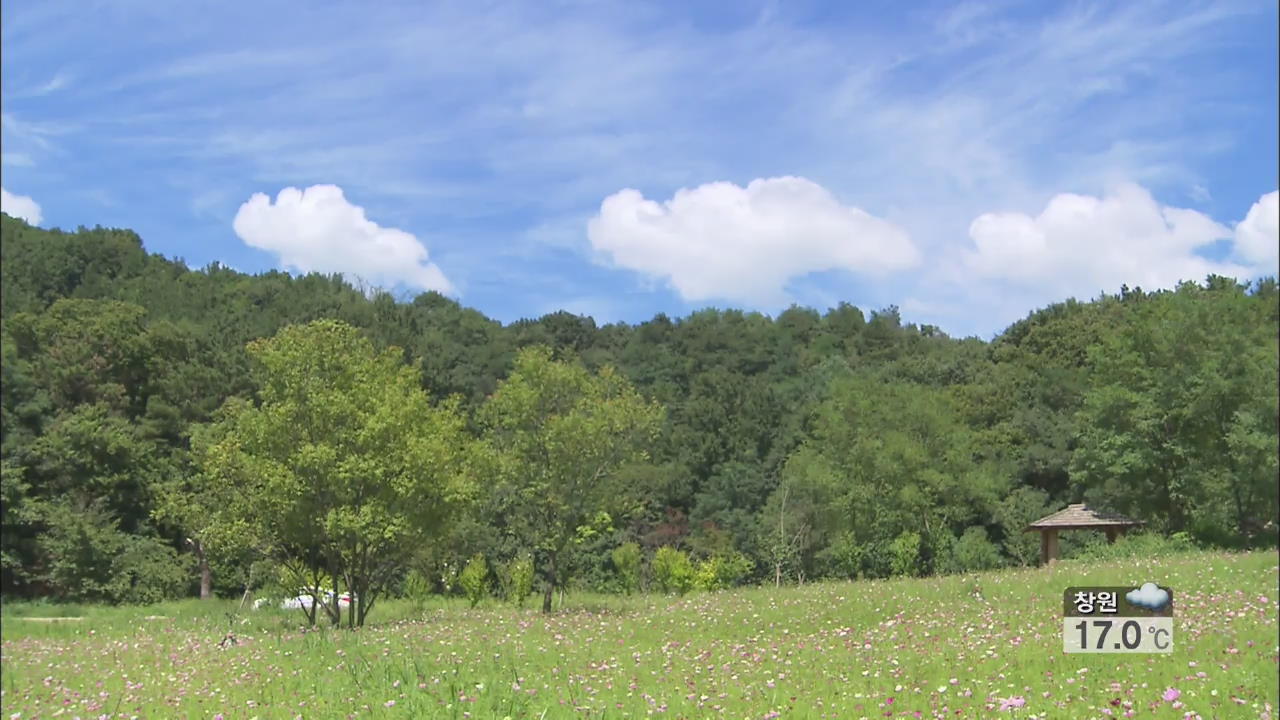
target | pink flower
[
  {"x": 1171, "y": 694},
  {"x": 390, "y": 703},
  {"x": 1013, "y": 702}
]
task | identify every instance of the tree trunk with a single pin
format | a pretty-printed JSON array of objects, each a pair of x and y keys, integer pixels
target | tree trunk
[
  {"x": 206, "y": 573},
  {"x": 551, "y": 584}
]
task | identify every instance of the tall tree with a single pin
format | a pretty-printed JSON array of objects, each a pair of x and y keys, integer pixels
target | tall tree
[
  {"x": 1183, "y": 404},
  {"x": 563, "y": 434},
  {"x": 884, "y": 459},
  {"x": 344, "y": 466}
]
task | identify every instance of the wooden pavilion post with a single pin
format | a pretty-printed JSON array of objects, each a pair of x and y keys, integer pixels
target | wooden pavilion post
[{"x": 1048, "y": 546}]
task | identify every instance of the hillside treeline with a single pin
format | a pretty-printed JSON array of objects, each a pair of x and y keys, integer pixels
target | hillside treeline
[{"x": 841, "y": 444}]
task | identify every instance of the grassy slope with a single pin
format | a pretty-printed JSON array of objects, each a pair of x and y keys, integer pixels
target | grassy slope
[{"x": 827, "y": 650}]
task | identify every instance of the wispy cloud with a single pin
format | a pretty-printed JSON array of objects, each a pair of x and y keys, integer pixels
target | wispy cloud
[
  {"x": 490, "y": 126},
  {"x": 59, "y": 81},
  {"x": 16, "y": 159}
]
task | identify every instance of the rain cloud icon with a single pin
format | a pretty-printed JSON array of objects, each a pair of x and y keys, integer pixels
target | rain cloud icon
[{"x": 1149, "y": 596}]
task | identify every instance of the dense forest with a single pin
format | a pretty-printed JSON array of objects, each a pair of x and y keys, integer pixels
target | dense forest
[{"x": 810, "y": 445}]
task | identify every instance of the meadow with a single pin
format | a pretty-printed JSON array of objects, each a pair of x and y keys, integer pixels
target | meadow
[{"x": 983, "y": 645}]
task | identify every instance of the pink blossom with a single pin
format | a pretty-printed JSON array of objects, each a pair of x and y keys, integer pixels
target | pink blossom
[{"x": 1014, "y": 702}]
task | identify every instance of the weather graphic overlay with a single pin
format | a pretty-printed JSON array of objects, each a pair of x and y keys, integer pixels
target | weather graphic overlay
[{"x": 1118, "y": 619}]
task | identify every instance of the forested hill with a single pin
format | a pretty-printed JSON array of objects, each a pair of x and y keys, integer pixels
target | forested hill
[{"x": 881, "y": 447}]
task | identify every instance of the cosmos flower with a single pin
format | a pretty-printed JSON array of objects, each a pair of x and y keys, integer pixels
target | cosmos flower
[{"x": 1014, "y": 702}]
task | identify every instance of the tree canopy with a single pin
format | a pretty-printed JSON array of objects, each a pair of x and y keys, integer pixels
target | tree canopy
[
  {"x": 344, "y": 464},
  {"x": 166, "y": 428}
]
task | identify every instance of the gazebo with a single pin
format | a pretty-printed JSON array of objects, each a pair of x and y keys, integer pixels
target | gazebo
[{"x": 1077, "y": 517}]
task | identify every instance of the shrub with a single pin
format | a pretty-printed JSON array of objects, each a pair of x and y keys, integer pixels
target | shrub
[
  {"x": 475, "y": 579},
  {"x": 706, "y": 576},
  {"x": 1139, "y": 545},
  {"x": 521, "y": 572},
  {"x": 154, "y": 571},
  {"x": 626, "y": 560},
  {"x": 89, "y": 559},
  {"x": 672, "y": 571},
  {"x": 974, "y": 551},
  {"x": 417, "y": 588},
  {"x": 843, "y": 558},
  {"x": 722, "y": 570},
  {"x": 1022, "y": 506},
  {"x": 904, "y": 554}
]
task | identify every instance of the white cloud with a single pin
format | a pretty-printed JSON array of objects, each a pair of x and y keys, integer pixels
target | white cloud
[
  {"x": 1258, "y": 235},
  {"x": 724, "y": 241},
  {"x": 317, "y": 230},
  {"x": 20, "y": 206},
  {"x": 1081, "y": 245}
]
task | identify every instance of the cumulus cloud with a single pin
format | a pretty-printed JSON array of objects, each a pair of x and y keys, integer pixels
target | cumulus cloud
[
  {"x": 317, "y": 230},
  {"x": 20, "y": 206},
  {"x": 1082, "y": 245},
  {"x": 723, "y": 241},
  {"x": 1258, "y": 235}
]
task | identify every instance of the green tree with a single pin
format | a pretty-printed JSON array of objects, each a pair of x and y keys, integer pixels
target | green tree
[
  {"x": 1182, "y": 404},
  {"x": 344, "y": 466},
  {"x": 883, "y": 458},
  {"x": 562, "y": 434},
  {"x": 1013, "y": 514}
]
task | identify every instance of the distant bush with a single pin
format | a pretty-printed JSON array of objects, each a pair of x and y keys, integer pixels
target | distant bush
[
  {"x": 904, "y": 554},
  {"x": 843, "y": 558},
  {"x": 417, "y": 588},
  {"x": 1135, "y": 545},
  {"x": 521, "y": 574},
  {"x": 626, "y": 560},
  {"x": 474, "y": 579},
  {"x": 973, "y": 551},
  {"x": 672, "y": 571},
  {"x": 155, "y": 572},
  {"x": 1012, "y": 514},
  {"x": 722, "y": 570},
  {"x": 88, "y": 559}
]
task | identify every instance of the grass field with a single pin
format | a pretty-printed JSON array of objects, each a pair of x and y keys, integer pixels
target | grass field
[{"x": 905, "y": 648}]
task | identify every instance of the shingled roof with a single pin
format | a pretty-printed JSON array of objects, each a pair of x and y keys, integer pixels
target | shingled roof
[{"x": 1080, "y": 517}]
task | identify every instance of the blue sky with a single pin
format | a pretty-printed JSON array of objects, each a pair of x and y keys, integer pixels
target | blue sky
[{"x": 967, "y": 162}]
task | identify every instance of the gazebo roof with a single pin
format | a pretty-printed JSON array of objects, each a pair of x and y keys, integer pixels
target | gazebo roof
[{"x": 1081, "y": 517}]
